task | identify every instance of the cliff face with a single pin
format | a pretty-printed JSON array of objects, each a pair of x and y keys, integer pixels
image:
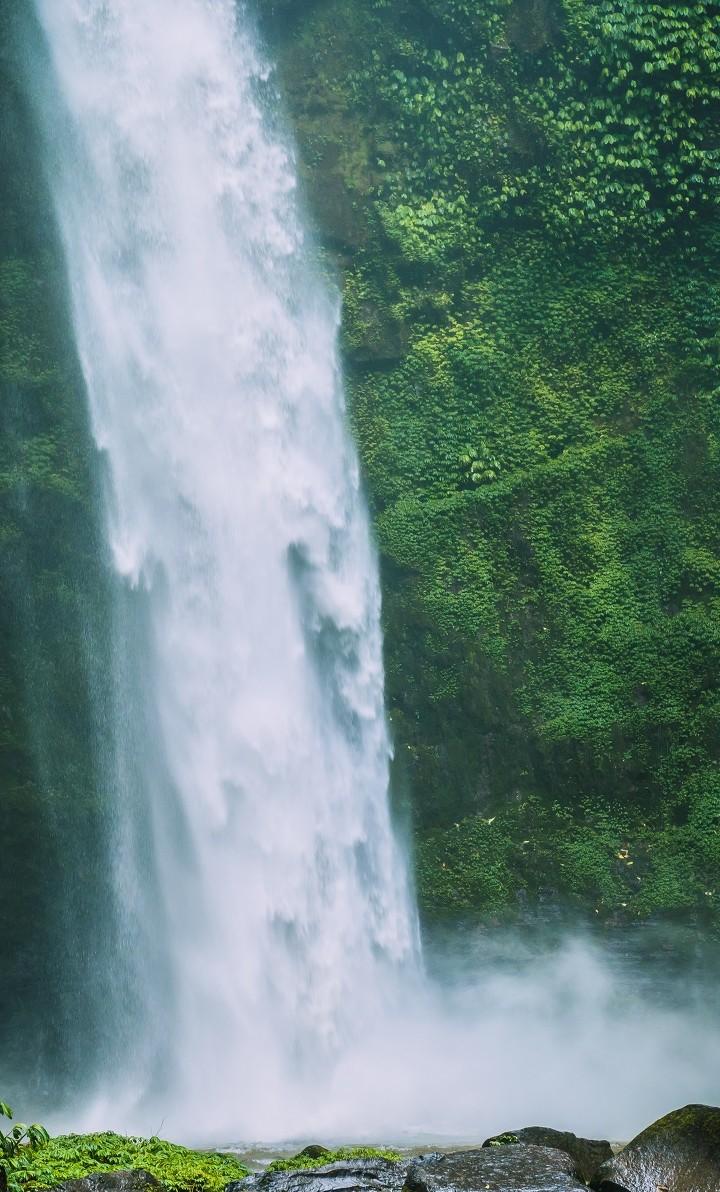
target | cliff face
[
  {"x": 521, "y": 197},
  {"x": 53, "y": 612}
]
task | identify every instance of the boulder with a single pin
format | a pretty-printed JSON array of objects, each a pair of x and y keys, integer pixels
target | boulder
[
  {"x": 516, "y": 1167},
  {"x": 588, "y": 1153},
  {"x": 136, "y": 1180},
  {"x": 347, "y": 1175},
  {"x": 680, "y": 1153}
]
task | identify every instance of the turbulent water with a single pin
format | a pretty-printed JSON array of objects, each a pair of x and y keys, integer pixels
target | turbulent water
[
  {"x": 259, "y": 974},
  {"x": 262, "y": 897}
]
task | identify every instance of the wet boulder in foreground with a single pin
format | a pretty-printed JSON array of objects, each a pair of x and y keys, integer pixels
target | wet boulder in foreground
[
  {"x": 516, "y": 1167},
  {"x": 678, "y": 1153},
  {"x": 346, "y": 1175},
  {"x": 135, "y": 1180},
  {"x": 587, "y": 1153}
]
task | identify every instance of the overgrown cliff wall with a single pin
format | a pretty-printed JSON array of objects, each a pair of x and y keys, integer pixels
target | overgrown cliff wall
[
  {"x": 53, "y": 616},
  {"x": 522, "y": 199}
]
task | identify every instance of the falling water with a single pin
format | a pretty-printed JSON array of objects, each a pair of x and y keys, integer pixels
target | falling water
[
  {"x": 258, "y": 977},
  {"x": 262, "y": 896}
]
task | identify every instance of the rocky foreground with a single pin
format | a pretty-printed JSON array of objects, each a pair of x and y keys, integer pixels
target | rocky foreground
[{"x": 678, "y": 1153}]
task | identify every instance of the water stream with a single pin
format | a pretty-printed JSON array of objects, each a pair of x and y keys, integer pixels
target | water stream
[{"x": 262, "y": 898}]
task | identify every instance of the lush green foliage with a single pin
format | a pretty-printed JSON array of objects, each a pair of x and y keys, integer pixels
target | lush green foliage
[
  {"x": 301, "y": 1161},
  {"x": 72, "y": 1156},
  {"x": 595, "y": 856},
  {"x": 530, "y": 242},
  {"x": 15, "y": 1144},
  {"x": 588, "y": 116},
  {"x": 19, "y": 1135}
]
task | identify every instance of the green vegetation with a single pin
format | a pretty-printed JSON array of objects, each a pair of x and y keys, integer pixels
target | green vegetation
[
  {"x": 303, "y": 1160},
  {"x": 19, "y": 1135},
  {"x": 15, "y": 1144},
  {"x": 522, "y": 196},
  {"x": 53, "y": 616},
  {"x": 73, "y": 1156}
]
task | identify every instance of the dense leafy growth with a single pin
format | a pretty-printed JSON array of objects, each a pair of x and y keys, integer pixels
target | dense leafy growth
[
  {"x": 591, "y": 117},
  {"x": 19, "y": 1135},
  {"x": 73, "y": 1156},
  {"x": 523, "y": 197},
  {"x": 15, "y": 1143}
]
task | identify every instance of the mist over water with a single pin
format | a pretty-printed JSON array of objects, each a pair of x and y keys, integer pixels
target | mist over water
[
  {"x": 599, "y": 1035},
  {"x": 264, "y": 971}
]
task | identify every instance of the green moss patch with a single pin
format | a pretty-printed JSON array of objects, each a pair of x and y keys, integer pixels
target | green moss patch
[
  {"x": 72, "y": 1156},
  {"x": 343, "y": 1152}
]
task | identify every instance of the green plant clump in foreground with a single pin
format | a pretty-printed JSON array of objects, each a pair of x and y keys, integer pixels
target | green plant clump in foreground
[
  {"x": 343, "y": 1152},
  {"x": 72, "y": 1156}
]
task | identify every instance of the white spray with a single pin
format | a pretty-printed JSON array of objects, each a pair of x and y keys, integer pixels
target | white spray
[{"x": 270, "y": 890}]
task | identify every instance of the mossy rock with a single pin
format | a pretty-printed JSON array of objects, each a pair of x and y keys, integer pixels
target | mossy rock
[
  {"x": 316, "y": 1156},
  {"x": 586, "y": 1153},
  {"x": 680, "y": 1151}
]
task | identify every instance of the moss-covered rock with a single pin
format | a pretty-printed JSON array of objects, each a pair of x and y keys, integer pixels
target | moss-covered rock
[
  {"x": 316, "y": 1156},
  {"x": 363, "y": 1169},
  {"x": 680, "y": 1151},
  {"x": 586, "y": 1153}
]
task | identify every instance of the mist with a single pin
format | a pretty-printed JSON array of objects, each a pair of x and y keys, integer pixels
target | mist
[{"x": 599, "y": 1034}]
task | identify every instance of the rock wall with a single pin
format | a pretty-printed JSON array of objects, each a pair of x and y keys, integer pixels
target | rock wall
[{"x": 53, "y": 615}]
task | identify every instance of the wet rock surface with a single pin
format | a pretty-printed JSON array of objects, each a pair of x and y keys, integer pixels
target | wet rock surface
[
  {"x": 135, "y": 1180},
  {"x": 587, "y": 1153},
  {"x": 347, "y": 1175},
  {"x": 678, "y": 1153},
  {"x": 515, "y": 1167}
]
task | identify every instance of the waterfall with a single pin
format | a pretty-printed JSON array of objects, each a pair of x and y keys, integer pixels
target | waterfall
[
  {"x": 255, "y": 970},
  {"x": 262, "y": 899}
]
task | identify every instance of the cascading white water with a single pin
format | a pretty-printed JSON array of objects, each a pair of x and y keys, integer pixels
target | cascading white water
[
  {"x": 271, "y": 900},
  {"x": 261, "y": 898}
]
